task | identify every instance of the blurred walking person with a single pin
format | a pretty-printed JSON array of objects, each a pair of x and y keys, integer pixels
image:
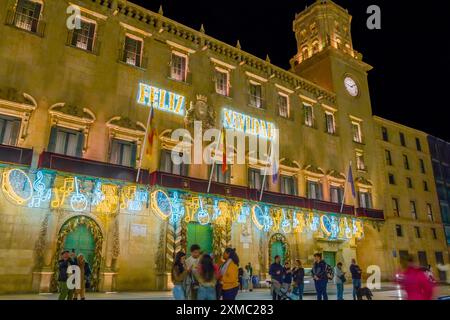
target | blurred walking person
[
  {"x": 415, "y": 282},
  {"x": 339, "y": 281},
  {"x": 356, "y": 272}
]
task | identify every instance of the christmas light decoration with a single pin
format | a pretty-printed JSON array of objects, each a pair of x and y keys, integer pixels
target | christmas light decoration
[
  {"x": 160, "y": 203},
  {"x": 17, "y": 185},
  {"x": 40, "y": 192},
  {"x": 161, "y": 99}
]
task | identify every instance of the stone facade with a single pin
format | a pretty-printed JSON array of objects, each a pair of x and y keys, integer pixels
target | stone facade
[{"x": 48, "y": 82}]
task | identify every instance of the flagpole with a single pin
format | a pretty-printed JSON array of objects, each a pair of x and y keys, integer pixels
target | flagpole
[
  {"x": 265, "y": 173},
  {"x": 345, "y": 188},
  {"x": 214, "y": 160},
  {"x": 144, "y": 144}
]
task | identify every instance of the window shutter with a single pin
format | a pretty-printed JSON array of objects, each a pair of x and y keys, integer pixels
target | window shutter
[
  {"x": 14, "y": 133},
  {"x": 80, "y": 144},
  {"x": 133, "y": 155},
  {"x": 138, "y": 53},
  {"x": 91, "y": 36},
  {"x": 36, "y": 15},
  {"x": 52, "y": 141}
]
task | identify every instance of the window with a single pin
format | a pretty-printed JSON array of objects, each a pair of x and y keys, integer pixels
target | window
[
  {"x": 409, "y": 183},
  {"x": 314, "y": 190},
  {"x": 384, "y": 134},
  {"x": 422, "y": 166},
  {"x": 430, "y": 212},
  {"x": 66, "y": 141},
  {"x": 255, "y": 179},
  {"x": 356, "y": 130},
  {"x": 412, "y": 205},
  {"x": 283, "y": 105},
  {"x": 178, "y": 70},
  {"x": 336, "y": 194},
  {"x": 221, "y": 177},
  {"x": 425, "y": 186},
  {"x": 288, "y": 185},
  {"x": 365, "y": 199},
  {"x": 132, "y": 54},
  {"x": 309, "y": 116},
  {"x": 422, "y": 257},
  {"x": 329, "y": 122},
  {"x": 305, "y": 53},
  {"x": 406, "y": 162},
  {"x": 399, "y": 230},
  {"x": 123, "y": 153},
  {"x": 417, "y": 232},
  {"x": 402, "y": 139},
  {"x": 84, "y": 37},
  {"x": 391, "y": 179},
  {"x": 360, "y": 165},
  {"x": 167, "y": 165},
  {"x": 27, "y": 15},
  {"x": 418, "y": 145},
  {"x": 388, "y": 156},
  {"x": 395, "y": 207},
  {"x": 255, "y": 95},
  {"x": 9, "y": 130},
  {"x": 222, "y": 82},
  {"x": 434, "y": 233}
]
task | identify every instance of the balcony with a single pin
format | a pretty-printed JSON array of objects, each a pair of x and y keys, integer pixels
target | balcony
[
  {"x": 370, "y": 213},
  {"x": 201, "y": 186},
  {"x": 93, "y": 168},
  {"x": 15, "y": 155}
]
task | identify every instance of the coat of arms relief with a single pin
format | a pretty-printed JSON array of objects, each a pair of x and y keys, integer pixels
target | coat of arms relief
[{"x": 200, "y": 110}]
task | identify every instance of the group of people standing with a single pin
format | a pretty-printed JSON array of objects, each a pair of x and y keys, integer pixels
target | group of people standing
[
  {"x": 70, "y": 258},
  {"x": 285, "y": 277},
  {"x": 198, "y": 277}
]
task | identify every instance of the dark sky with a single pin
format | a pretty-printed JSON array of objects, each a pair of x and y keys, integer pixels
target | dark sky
[{"x": 410, "y": 54}]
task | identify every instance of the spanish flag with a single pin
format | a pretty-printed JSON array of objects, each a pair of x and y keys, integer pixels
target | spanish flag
[
  {"x": 224, "y": 151},
  {"x": 151, "y": 133}
]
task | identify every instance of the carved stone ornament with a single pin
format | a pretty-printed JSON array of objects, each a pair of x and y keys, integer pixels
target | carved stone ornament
[{"x": 200, "y": 111}]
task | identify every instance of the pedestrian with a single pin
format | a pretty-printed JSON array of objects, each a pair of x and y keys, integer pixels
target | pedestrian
[
  {"x": 356, "y": 272},
  {"x": 339, "y": 281},
  {"x": 429, "y": 274},
  {"x": 85, "y": 275},
  {"x": 245, "y": 279},
  {"x": 415, "y": 282},
  {"x": 191, "y": 265},
  {"x": 298, "y": 274},
  {"x": 179, "y": 275},
  {"x": 240, "y": 274},
  {"x": 73, "y": 257},
  {"x": 250, "y": 273},
  {"x": 320, "y": 276},
  {"x": 276, "y": 271},
  {"x": 63, "y": 265},
  {"x": 207, "y": 275},
  {"x": 229, "y": 274},
  {"x": 287, "y": 277}
]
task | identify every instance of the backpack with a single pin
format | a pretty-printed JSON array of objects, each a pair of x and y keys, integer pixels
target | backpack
[{"x": 330, "y": 272}]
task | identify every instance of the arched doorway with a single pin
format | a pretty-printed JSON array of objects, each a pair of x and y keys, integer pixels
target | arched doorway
[
  {"x": 82, "y": 234},
  {"x": 278, "y": 246}
]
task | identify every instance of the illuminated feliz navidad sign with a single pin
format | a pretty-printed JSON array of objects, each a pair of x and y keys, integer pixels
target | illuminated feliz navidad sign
[
  {"x": 47, "y": 190},
  {"x": 161, "y": 99},
  {"x": 248, "y": 124}
]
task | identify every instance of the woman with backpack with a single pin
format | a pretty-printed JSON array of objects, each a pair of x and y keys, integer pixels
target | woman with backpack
[{"x": 339, "y": 280}]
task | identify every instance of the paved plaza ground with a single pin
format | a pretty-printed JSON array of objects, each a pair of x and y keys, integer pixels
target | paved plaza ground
[{"x": 388, "y": 291}]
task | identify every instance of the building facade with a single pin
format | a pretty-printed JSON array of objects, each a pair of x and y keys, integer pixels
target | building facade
[
  {"x": 74, "y": 113},
  {"x": 440, "y": 157}
]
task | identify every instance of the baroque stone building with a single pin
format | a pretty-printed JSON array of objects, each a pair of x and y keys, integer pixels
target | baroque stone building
[{"x": 74, "y": 109}]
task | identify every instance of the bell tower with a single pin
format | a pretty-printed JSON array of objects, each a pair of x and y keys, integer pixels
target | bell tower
[{"x": 323, "y": 34}]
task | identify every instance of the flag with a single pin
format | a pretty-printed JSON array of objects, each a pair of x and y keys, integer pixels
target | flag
[
  {"x": 224, "y": 151},
  {"x": 151, "y": 133},
  {"x": 275, "y": 171},
  {"x": 350, "y": 180}
]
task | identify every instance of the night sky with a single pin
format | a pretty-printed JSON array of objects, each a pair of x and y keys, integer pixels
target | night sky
[{"x": 410, "y": 54}]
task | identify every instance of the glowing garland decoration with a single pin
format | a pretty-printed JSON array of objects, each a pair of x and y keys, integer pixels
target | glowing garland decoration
[
  {"x": 17, "y": 185},
  {"x": 103, "y": 197},
  {"x": 160, "y": 203},
  {"x": 202, "y": 215},
  {"x": 161, "y": 99}
]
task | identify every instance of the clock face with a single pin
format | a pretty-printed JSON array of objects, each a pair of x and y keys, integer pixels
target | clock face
[{"x": 351, "y": 86}]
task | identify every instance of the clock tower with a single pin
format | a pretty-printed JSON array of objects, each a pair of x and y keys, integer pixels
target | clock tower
[{"x": 326, "y": 55}]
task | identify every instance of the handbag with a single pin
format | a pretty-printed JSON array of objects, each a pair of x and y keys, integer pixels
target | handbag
[{"x": 342, "y": 278}]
